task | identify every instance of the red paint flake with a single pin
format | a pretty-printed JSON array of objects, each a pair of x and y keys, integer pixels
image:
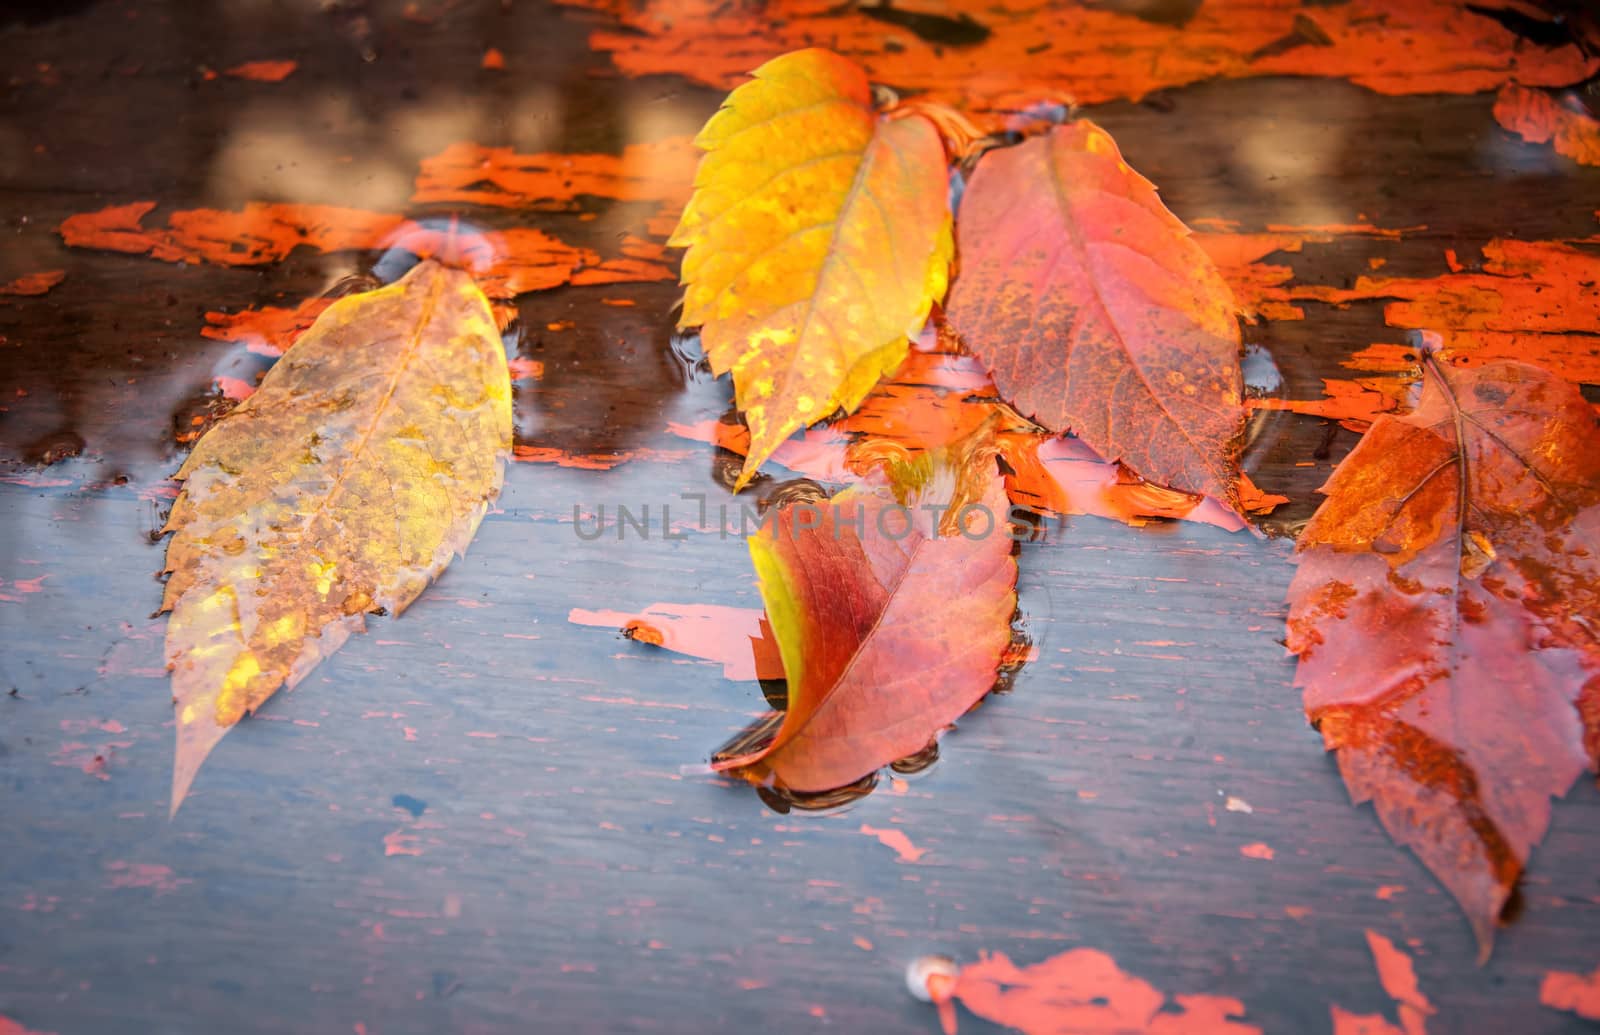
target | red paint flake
[
  {"x": 1389, "y": 891},
  {"x": 525, "y": 369},
  {"x": 11, "y": 1027},
  {"x": 1257, "y": 850},
  {"x": 79, "y": 727},
  {"x": 751, "y": 984},
  {"x": 1297, "y": 912},
  {"x": 401, "y": 842},
  {"x": 466, "y": 173},
  {"x": 897, "y": 840},
  {"x": 1083, "y": 991},
  {"x": 1399, "y": 979},
  {"x": 264, "y": 71},
  {"x": 233, "y": 388},
  {"x": 1576, "y": 993},
  {"x": 1347, "y": 1023},
  {"x": 143, "y": 875},
  {"x": 562, "y": 458},
  {"x": 493, "y": 60},
  {"x": 861, "y": 943},
  {"x": 34, "y": 283},
  {"x": 738, "y": 638},
  {"x": 1540, "y": 118}
]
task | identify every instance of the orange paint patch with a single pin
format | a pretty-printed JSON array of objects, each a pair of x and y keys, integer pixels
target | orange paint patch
[
  {"x": 562, "y": 458},
  {"x": 1355, "y": 404},
  {"x": 1095, "y": 54},
  {"x": 525, "y": 369},
  {"x": 1347, "y": 1023},
  {"x": 1083, "y": 991},
  {"x": 34, "y": 283},
  {"x": 233, "y": 388},
  {"x": 1539, "y": 118},
  {"x": 735, "y": 637},
  {"x": 401, "y": 842},
  {"x": 897, "y": 840},
  {"x": 498, "y": 177},
  {"x": 1399, "y": 980},
  {"x": 122, "y": 874},
  {"x": 1258, "y": 850},
  {"x": 506, "y": 263},
  {"x": 264, "y": 71},
  {"x": 493, "y": 60},
  {"x": 267, "y": 330},
  {"x": 1575, "y": 993}
]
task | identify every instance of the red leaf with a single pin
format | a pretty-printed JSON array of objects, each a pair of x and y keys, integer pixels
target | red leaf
[
  {"x": 1442, "y": 612},
  {"x": 1084, "y": 992},
  {"x": 1097, "y": 312},
  {"x": 889, "y": 629}
]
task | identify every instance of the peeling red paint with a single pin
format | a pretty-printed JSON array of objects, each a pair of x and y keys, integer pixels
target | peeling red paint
[
  {"x": 904, "y": 850},
  {"x": 1084, "y": 992},
  {"x": 264, "y": 71},
  {"x": 1575, "y": 993},
  {"x": 144, "y": 875},
  {"x": 735, "y": 637},
  {"x": 1257, "y": 850},
  {"x": 33, "y": 284}
]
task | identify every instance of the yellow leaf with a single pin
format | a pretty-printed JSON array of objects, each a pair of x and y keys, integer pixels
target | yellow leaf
[
  {"x": 344, "y": 485},
  {"x": 818, "y": 238}
]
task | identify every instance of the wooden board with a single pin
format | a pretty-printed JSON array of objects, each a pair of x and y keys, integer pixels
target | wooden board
[{"x": 481, "y": 818}]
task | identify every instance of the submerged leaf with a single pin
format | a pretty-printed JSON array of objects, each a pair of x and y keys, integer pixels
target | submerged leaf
[
  {"x": 1098, "y": 313},
  {"x": 1443, "y": 612},
  {"x": 344, "y": 485},
  {"x": 891, "y": 619},
  {"x": 818, "y": 238}
]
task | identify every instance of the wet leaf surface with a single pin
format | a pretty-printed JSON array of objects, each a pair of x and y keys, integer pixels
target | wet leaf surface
[
  {"x": 891, "y": 618},
  {"x": 1097, "y": 313},
  {"x": 817, "y": 238},
  {"x": 1442, "y": 613},
  {"x": 343, "y": 486}
]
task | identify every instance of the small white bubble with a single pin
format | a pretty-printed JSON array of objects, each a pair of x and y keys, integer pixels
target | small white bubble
[{"x": 920, "y": 970}]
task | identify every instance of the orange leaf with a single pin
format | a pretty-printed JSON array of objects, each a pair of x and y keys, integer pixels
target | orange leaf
[
  {"x": 1539, "y": 118},
  {"x": 818, "y": 237},
  {"x": 891, "y": 622},
  {"x": 1441, "y": 612},
  {"x": 1096, "y": 311},
  {"x": 363, "y": 462},
  {"x": 1084, "y": 992}
]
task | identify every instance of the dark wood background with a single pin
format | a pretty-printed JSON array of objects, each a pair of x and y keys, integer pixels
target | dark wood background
[{"x": 576, "y": 870}]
